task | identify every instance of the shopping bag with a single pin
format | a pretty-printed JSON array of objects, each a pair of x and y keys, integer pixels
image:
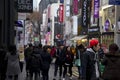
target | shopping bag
[{"x": 77, "y": 62}]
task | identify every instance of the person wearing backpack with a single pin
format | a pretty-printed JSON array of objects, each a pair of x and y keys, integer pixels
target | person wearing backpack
[
  {"x": 46, "y": 61},
  {"x": 35, "y": 63}
]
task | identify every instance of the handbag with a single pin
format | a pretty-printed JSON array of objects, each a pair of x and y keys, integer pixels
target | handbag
[{"x": 78, "y": 61}]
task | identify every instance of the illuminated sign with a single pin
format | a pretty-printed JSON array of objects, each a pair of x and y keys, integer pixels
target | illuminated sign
[{"x": 25, "y": 6}]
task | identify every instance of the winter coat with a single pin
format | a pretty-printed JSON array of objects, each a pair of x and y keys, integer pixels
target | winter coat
[
  {"x": 89, "y": 63},
  {"x": 46, "y": 61},
  {"x": 13, "y": 66},
  {"x": 60, "y": 56},
  {"x": 68, "y": 58},
  {"x": 112, "y": 67},
  {"x": 35, "y": 61}
]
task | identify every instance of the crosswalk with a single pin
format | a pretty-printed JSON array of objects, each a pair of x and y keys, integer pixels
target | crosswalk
[{"x": 74, "y": 72}]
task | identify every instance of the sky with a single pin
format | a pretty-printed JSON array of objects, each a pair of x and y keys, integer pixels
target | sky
[{"x": 36, "y": 4}]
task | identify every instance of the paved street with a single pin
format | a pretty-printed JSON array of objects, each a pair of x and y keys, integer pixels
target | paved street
[{"x": 22, "y": 76}]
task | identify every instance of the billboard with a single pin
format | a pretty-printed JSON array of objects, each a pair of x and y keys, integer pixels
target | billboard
[
  {"x": 61, "y": 13},
  {"x": 114, "y": 2},
  {"x": 25, "y": 6}
]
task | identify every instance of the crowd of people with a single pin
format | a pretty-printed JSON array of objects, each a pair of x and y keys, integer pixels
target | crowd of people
[{"x": 39, "y": 58}]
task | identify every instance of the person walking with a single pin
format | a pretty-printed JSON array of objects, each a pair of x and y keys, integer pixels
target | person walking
[
  {"x": 13, "y": 67},
  {"x": 90, "y": 62},
  {"x": 80, "y": 49},
  {"x": 68, "y": 63},
  {"x": 59, "y": 61},
  {"x": 28, "y": 51},
  {"x": 112, "y": 63},
  {"x": 35, "y": 63},
  {"x": 46, "y": 61}
]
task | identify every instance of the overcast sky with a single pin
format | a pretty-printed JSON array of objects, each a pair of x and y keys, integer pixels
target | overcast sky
[{"x": 36, "y": 4}]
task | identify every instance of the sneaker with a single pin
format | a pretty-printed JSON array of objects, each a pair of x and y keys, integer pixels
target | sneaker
[
  {"x": 70, "y": 78},
  {"x": 54, "y": 79},
  {"x": 63, "y": 78}
]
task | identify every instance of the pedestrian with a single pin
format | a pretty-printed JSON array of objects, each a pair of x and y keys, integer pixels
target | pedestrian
[
  {"x": 35, "y": 63},
  {"x": 46, "y": 61},
  {"x": 68, "y": 63},
  {"x": 28, "y": 51},
  {"x": 59, "y": 61},
  {"x": 80, "y": 49},
  {"x": 13, "y": 67},
  {"x": 3, "y": 62},
  {"x": 90, "y": 62},
  {"x": 112, "y": 63}
]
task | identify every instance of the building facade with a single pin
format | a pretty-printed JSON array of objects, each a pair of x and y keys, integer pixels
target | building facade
[{"x": 7, "y": 19}]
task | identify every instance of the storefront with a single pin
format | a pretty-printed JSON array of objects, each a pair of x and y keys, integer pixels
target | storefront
[{"x": 108, "y": 23}]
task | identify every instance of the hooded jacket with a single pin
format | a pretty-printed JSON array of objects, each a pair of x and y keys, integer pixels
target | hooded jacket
[
  {"x": 112, "y": 66},
  {"x": 90, "y": 68}
]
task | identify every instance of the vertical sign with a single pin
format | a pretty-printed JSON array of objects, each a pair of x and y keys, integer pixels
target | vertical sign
[
  {"x": 85, "y": 13},
  {"x": 85, "y": 19},
  {"x": 96, "y": 8},
  {"x": 75, "y": 7},
  {"x": 25, "y": 6},
  {"x": 67, "y": 8},
  {"x": 61, "y": 13}
]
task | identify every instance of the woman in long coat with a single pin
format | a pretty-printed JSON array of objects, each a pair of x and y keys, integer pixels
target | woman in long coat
[{"x": 13, "y": 67}]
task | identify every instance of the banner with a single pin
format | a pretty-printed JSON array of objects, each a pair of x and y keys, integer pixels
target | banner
[
  {"x": 96, "y": 8},
  {"x": 84, "y": 17},
  {"x": 85, "y": 13},
  {"x": 75, "y": 7},
  {"x": 114, "y": 2},
  {"x": 61, "y": 13}
]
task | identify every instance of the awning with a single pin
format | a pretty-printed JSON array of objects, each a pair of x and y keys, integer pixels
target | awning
[{"x": 79, "y": 37}]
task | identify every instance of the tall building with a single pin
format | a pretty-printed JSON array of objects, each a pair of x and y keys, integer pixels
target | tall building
[{"x": 7, "y": 19}]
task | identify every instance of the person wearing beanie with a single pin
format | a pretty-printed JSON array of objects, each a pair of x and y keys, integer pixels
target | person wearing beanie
[{"x": 90, "y": 68}]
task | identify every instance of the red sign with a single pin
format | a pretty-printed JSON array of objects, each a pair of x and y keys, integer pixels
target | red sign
[
  {"x": 75, "y": 7},
  {"x": 61, "y": 13}
]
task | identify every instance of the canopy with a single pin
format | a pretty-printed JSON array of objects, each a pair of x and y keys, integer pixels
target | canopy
[{"x": 79, "y": 37}]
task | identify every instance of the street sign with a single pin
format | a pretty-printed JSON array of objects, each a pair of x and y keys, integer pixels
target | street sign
[
  {"x": 114, "y": 2},
  {"x": 25, "y": 6}
]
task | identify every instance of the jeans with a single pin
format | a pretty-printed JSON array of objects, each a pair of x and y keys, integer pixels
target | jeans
[
  {"x": 65, "y": 70},
  {"x": 56, "y": 69}
]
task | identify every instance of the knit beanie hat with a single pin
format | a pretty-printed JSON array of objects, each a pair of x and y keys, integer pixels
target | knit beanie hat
[{"x": 93, "y": 42}]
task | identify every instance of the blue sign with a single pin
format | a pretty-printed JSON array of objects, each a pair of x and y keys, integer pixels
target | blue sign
[
  {"x": 61, "y": 1},
  {"x": 114, "y": 2}
]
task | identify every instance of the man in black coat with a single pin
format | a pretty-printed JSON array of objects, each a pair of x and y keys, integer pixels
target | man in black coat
[
  {"x": 59, "y": 61},
  {"x": 90, "y": 66}
]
